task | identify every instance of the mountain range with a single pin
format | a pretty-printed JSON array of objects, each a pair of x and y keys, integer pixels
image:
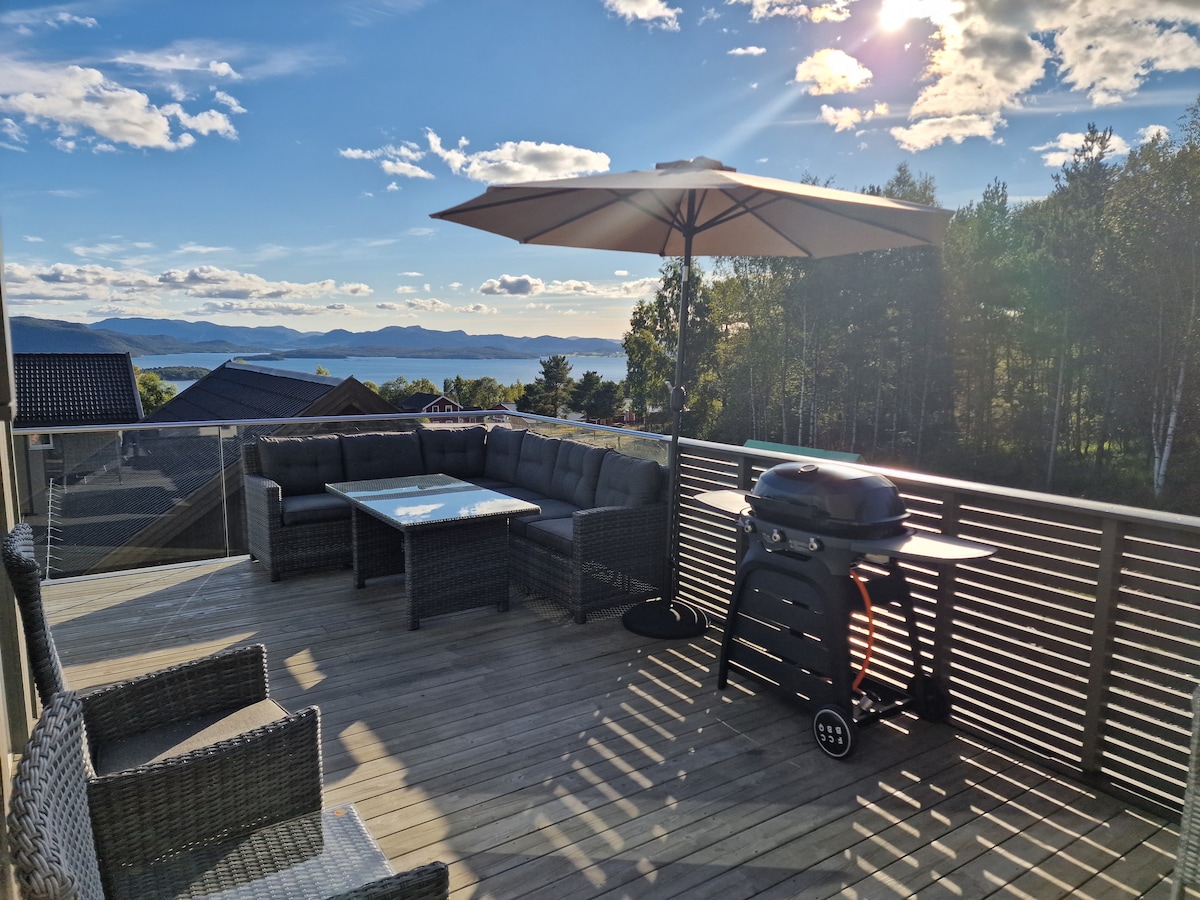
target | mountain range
[{"x": 143, "y": 337}]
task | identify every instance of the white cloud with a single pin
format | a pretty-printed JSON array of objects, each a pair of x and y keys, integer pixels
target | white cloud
[
  {"x": 846, "y": 118},
  {"x": 429, "y": 305},
  {"x": 747, "y": 51},
  {"x": 518, "y": 161},
  {"x": 227, "y": 100},
  {"x": 766, "y": 9},
  {"x": 230, "y": 290},
  {"x": 931, "y": 132},
  {"x": 1152, "y": 132},
  {"x": 986, "y": 58},
  {"x": 74, "y": 100},
  {"x": 394, "y": 159},
  {"x": 109, "y": 310},
  {"x": 477, "y": 309},
  {"x": 838, "y": 11},
  {"x": 513, "y": 285},
  {"x": 832, "y": 72},
  {"x": 262, "y": 308},
  {"x": 1061, "y": 150},
  {"x": 656, "y": 12},
  {"x": 411, "y": 275},
  {"x": 200, "y": 248},
  {"x": 182, "y": 57}
]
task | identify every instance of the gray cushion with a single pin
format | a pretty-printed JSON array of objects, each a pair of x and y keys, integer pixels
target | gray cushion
[
  {"x": 381, "y": 454},
  {"x": 628, "y": 481},
  {"x": 536, "y": 466},
  {"x": 557, "y": 534},
  {"x": 309, "y": 509},
  {"x": 453, "y": 451},
  {"x": 178, "y": 738},
  {"x": 503, "y": 449},
  {"x": 576, "y": 469},
  {"x": 551, "y": 509},
  {"x": 302, "y": 465}
]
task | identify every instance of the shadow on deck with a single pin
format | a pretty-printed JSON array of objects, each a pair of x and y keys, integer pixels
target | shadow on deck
[{"x": 546, "y": 760}]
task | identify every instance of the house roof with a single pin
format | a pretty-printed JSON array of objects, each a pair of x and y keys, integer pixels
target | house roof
[
  {"x": 421, "y": 401},
  {"x": 243, "y": 391},
  {"x": 60, "y": 389}
]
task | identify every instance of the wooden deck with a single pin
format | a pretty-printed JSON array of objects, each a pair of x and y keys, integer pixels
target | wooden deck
[{"x": 541, "y": 759}]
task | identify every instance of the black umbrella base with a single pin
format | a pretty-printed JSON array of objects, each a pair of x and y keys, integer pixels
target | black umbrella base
[{"x": 666, "y": 621}]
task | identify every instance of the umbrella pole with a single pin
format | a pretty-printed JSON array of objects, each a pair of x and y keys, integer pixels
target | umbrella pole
[{"x": 670, "y": 617}]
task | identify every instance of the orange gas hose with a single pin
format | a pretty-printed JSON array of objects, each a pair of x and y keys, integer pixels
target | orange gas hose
[{"x": 862, "y": 589}]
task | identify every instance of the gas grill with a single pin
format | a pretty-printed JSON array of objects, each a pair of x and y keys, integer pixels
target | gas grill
[{"x": 826, "y": 541}]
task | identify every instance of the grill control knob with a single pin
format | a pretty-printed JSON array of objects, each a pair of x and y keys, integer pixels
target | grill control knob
[
  {"x": 777, "y": 536},
  {"x": 815, "y": 544},
  {"x": 748, "y": 526}
]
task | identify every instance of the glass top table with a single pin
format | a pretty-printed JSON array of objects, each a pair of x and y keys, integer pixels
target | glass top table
[{"x": 449, "y": 537}]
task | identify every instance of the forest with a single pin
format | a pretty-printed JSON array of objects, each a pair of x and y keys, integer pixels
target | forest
[{"x": 1049, "y": 344}]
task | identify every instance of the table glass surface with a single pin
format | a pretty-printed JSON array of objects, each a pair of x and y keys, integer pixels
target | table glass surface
[
  {"x": 320, "y": 854},
  {"x": 428, "y": 499}
]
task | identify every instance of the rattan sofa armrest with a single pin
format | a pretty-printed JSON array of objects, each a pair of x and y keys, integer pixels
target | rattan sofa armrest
[
  {"x": 429, "y": 882},
  {"x": 264, "y": 494},
  {"x": 230, "y": 788},
  {"x": 225, "y": 680},
  {"x": 597, "y": 531}
]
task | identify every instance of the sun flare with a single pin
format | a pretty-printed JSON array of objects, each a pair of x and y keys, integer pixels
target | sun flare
[{"x": 895, "y": 14}]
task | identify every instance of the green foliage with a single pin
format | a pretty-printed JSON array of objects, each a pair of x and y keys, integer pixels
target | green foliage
[
  {"x": 153, "y": 391},
  {"x": 550, "y": 392}
]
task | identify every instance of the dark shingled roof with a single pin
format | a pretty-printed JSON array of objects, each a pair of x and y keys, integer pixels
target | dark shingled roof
[
  {"x": 242, "y": 391},
  {"x": 61, "y": 389}
]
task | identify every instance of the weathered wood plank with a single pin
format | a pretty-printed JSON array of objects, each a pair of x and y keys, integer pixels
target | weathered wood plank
[{"x": 544, "y": 759}]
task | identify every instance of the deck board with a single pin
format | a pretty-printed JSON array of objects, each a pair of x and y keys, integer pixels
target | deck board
[{"x": 544, "y": 760}]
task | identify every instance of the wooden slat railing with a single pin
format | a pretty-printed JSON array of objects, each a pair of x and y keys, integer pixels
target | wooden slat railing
[{"x": 1077, "y": 642}]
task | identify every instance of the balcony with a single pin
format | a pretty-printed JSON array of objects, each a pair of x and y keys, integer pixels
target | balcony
[{"x": 541, "y": 758}]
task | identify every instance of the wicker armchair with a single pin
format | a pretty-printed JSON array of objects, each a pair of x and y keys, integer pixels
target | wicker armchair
[
  {"x": 51, "y": 829},
  {"x": 292, "y": 548},
  {"x": 1187, "y": 857},
  {"x": 159, "y": 741}
]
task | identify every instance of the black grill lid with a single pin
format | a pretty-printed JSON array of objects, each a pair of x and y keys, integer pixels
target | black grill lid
[{"x": 829, "y": 499}]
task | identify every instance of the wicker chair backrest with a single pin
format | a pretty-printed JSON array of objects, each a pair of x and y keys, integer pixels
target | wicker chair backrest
[
  {"x": 49, "y": 827},
  {"x": 1187, "y": 857},
  {"x": 26, "y": 578}
]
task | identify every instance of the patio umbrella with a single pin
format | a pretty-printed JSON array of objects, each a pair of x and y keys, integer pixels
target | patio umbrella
[{"x": 692, "y": 208}]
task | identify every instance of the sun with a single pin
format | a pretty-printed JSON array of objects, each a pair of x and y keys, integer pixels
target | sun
[{"x": 895, "y": 14}]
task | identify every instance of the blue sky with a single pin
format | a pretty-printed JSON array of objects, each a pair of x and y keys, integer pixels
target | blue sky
[{"x": 261, "y": 163}]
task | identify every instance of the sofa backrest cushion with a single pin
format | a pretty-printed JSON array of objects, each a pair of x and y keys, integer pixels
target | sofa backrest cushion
[
  {"x": 381, "y": 454},
  {"x": 535, "y": 468},
  {"x": 457, "y": 452},
  {"x": 302, "y": 465},
  {"x": 576, "y": 470},
  {"x": 629, "y": 481},
  {"x": 503, "y": 451}
]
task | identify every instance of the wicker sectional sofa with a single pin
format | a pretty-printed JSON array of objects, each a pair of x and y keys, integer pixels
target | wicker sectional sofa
[{"x": 598, "y": 542}]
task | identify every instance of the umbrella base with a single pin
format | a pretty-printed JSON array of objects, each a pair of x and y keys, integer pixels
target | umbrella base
[{"x": 665, "y": 620}]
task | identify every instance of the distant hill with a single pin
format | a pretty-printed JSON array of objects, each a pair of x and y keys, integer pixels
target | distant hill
[{"x": 141, "y": 337}]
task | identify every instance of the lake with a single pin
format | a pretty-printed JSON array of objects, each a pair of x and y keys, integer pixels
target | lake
[{"x": 384, "y": 368}]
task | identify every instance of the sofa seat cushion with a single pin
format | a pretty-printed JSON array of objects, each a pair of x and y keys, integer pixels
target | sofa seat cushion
[
  {"x": 576, "y": 471},
  {"x": 535, "y": 467},
  {"x": 302, "y": 465},
  {"x": 457, "y": 452},
  {"x": 381, "y": 454},
  {"x": 311, "y": 509},
  {"x": 167, "y": 741},
  {"x": 551, "y": 509},
  {"x": 503, "y": 452},
  {"x": 555, "y": 534},
  {"x": 629, "y": 481}
]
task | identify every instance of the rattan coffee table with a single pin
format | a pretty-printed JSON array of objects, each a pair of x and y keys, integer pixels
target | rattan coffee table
[{"x": 449, "y": 538}]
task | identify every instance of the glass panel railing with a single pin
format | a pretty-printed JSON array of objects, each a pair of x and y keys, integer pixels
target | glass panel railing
[{"x": 111, "y": 499}]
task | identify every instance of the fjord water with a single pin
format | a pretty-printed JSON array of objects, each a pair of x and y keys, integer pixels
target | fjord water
[{"x": 384, "y": 368}]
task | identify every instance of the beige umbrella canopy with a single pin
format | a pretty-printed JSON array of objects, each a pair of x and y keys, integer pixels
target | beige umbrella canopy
[{"x": 696, "y": 208}]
